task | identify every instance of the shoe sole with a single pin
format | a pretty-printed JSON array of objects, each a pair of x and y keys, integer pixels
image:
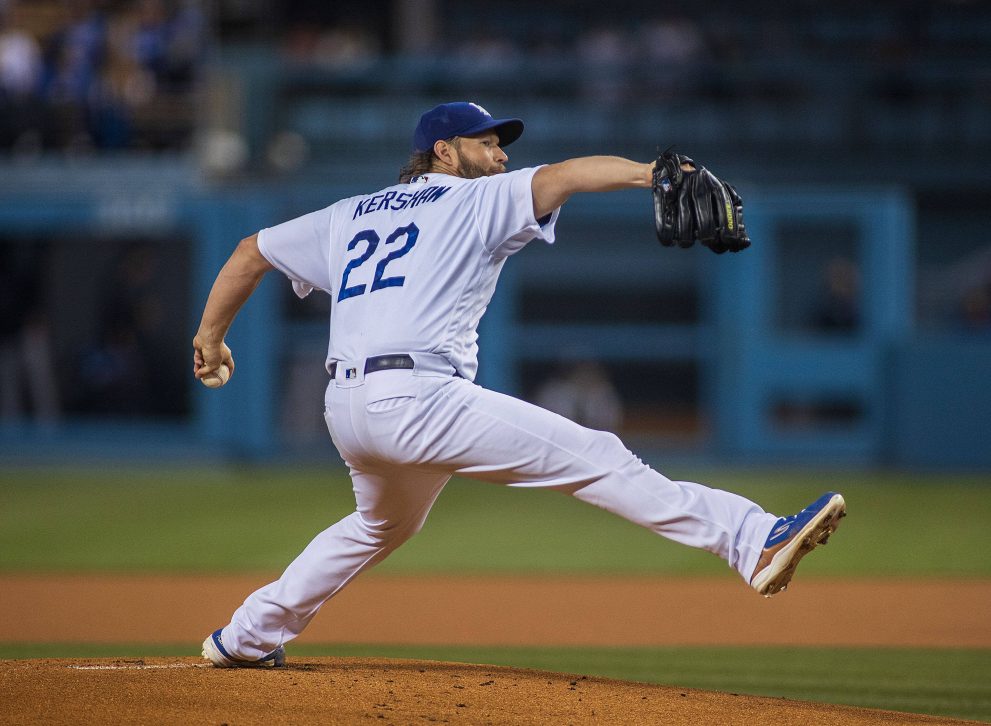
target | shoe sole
[
  {"x": 219, "y": 660},
  {"x": 213, "y": 655},
  {"x": 776, "y": 576}
]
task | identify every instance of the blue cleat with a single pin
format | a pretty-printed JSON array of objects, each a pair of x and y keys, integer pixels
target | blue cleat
[
  {"x": 213, "y": 651},
  {"x": 794, "y": 537}
]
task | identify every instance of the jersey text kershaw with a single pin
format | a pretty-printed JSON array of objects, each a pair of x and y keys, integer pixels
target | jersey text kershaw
[{"x": 398, "y": 200}]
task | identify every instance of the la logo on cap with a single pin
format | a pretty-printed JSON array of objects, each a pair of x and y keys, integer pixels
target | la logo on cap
[{"x": 471, "y": 103}]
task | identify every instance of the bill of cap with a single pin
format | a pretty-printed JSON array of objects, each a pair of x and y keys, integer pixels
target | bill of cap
[{"x": 507, "y": 129}]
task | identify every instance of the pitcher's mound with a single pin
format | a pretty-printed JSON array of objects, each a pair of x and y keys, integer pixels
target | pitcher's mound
[{"x": 354, "y": 690}]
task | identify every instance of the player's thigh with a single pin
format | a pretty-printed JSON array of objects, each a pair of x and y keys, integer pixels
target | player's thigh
[
  {"x": 393, "y": 496},
  {"x": 499, "y": 438}
]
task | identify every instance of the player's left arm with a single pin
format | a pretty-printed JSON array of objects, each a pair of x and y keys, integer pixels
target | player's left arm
[
  {"x": 235, "y": 283},
  {"x": 554, "y": 184}
]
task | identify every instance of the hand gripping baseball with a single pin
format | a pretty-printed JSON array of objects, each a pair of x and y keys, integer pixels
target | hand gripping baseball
[
  {"x": 213, "y": 364},
  {"x": 691, "y": 203}
]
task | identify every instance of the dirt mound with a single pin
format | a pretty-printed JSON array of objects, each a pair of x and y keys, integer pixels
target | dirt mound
[{"x": 353, "y": 690}]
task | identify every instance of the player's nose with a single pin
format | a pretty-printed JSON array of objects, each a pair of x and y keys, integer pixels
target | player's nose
[{"x": 501, "y": 155}]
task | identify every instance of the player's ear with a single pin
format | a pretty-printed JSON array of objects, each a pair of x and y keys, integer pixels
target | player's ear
[{"x": 444, "y": 150}]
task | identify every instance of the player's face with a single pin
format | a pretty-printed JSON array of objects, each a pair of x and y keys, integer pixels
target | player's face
[{"x": 480, "y": 156}]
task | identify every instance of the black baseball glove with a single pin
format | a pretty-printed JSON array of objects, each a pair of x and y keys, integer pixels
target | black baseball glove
[{"x": 696, "y": 205}]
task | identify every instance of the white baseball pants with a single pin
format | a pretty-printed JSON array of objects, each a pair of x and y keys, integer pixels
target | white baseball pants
[{"x": 404, "y": 433}]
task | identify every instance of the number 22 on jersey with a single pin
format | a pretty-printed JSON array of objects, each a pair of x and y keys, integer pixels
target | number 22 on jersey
[{"x": 371, "y": 240}]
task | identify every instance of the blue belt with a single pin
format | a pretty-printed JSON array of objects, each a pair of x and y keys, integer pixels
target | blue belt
[{"x": 381, "y": 363}]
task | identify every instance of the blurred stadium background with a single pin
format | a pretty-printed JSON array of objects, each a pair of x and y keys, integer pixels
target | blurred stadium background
[{"x": 140, "y": 139}]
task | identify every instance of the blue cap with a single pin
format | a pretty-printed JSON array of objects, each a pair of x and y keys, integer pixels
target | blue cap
[{"x": 462, "y": 119}]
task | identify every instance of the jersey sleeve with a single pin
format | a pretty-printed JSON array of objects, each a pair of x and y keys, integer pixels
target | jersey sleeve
[
  {"x": 299, "y": 249},
  {"x": 504, "y": 213}
]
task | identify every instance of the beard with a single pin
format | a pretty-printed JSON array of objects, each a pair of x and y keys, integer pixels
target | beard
[{"x": 468, "y": 169}]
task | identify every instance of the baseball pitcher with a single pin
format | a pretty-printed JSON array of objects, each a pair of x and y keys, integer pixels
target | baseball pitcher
[{"x": 410, "y": 270}]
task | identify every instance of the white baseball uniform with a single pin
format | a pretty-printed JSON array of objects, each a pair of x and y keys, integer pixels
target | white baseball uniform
[{"x": 410, "y": 270}]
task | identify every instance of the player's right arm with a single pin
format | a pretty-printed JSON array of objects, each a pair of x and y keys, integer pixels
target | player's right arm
[
  {"x": 234, "y": 284},
  {"x": 554, "y": 184}
]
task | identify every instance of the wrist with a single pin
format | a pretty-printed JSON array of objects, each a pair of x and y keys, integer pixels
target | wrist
[{"x": 208, "y": 336}]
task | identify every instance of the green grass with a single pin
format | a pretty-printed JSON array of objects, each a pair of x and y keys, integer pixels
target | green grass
[
  {"x": 166, "y": 520},
  {"x": 941, "y": 682}
]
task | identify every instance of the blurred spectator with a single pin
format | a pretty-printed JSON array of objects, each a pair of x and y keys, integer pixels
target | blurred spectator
[
  {"x": 124, "y": 87},
  {"x": 672, "y": 48},
  {"x": 20, "y": 82},
  {"x": 155, "y": 51},
  {"x": 583, "y": 393},
  {"x": 838, "y": 308},
  {"x": 27, "y": 372},
  {"x": 672, "y": 40},
  {"x": 20, "y": 58},
  {"x": 337, "y": 46},
  {"x": 955, "y": 289},
  {"x": 300, "y": 40},
  {"x": 73, "y": 61},
  {"x": 605, "y": 52},
  {"x": 487, "y": 53},
  {"x": 164, "y": 39},
  {"x": 345, "y": 47}
]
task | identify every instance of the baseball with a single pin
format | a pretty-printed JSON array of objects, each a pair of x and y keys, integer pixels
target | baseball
[{"x": 218, "y": 378}]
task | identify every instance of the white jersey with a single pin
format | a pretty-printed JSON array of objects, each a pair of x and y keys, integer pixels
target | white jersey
[{"x": 412, "y": 268}]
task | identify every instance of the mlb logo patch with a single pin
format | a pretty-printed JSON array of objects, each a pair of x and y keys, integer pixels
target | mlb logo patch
[{"x": 351, "y": 373}]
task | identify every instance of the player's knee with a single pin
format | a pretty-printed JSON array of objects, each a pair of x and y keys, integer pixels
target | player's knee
[
  {"x": 391, "y": 533},
  {"x": 610, "y": 449},
  {"x": 611, "y": 441},
  {"x": 614, "y": 458}
]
